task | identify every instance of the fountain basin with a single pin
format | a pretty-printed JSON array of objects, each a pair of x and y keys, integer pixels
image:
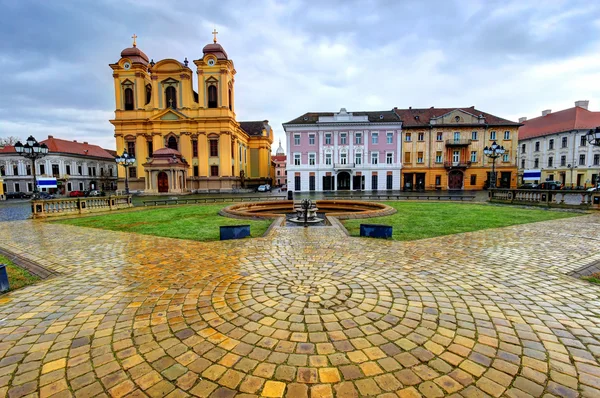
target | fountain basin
[{"x": 342, "y": 209}]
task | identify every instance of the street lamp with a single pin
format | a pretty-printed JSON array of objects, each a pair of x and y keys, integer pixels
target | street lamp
[
  {"x": 125, "y": 160},
  {"x": 32, "y": 150},
  {"x": 593, "y": 137},
  {"x": 493, "y": 152}
]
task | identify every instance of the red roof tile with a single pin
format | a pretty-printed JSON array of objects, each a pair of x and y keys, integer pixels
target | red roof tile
[
  {"x": 77, "y": 148},
  {"x": 576, "y": 118},
  {"x": 279, "y": 158},
  {"x": 7, "y": 149},
  {"x": 413, "y": 117}
]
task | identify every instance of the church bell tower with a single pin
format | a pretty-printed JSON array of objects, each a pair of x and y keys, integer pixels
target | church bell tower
[{"x": 216, "y": 78}]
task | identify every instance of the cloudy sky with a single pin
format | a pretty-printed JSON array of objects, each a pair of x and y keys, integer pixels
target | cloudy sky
[{"x": 509, "y": 58}]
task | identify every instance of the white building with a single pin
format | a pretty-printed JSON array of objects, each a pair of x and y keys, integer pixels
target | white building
[
  {"x": 77, "y": 166},
  {"x": 556, "y": 144},
  {"x": 344, "y": 151}
]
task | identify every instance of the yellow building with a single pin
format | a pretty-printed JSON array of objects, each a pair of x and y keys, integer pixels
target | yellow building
[
  {"x": 442, "y": 148},
  {"x": 186, "y": 139}
]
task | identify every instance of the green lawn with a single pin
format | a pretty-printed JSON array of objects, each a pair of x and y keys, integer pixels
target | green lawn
[
  {"x": 594, "y": 278},
  {"x": 17, "y": 277},
  {"x": 195, "y": 222},
  {"x": 418, "y": 220}
]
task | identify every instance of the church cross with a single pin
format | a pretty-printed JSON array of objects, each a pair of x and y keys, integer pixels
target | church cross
[
  {"x": 215, "y": 34},
  {"x": 170, "y": 102},
  {"x": 134, "y": 37}
]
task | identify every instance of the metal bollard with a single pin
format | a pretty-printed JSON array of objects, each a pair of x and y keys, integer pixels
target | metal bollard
[{"x": 4, "y": 286}]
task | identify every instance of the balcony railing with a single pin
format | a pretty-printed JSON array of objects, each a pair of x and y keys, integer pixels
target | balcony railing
[
  {"x": 457, "y": 165},
  {"x": 343, "y": 166},
  {"x": 458, "y": 142}
]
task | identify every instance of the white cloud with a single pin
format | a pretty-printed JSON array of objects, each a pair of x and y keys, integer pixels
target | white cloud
[{"x": 510, "y": 59}]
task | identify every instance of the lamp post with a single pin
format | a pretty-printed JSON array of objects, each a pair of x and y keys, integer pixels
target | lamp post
[
  {"x": 32, "y": 150},
  {"x": 593, "y": 138},
  {"x": 125, "y": 160},
  {"x": 493, "y": 152}
]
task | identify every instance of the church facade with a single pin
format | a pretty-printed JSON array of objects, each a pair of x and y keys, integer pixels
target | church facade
[{"x": 185, "y": 137}]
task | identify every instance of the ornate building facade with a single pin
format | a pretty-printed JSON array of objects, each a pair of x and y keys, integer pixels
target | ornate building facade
[
  {"x": 555, "y": 144},
  {"x": 408, "y": 149},
  {"x": 343, "y": 151},
  {"x": 442, "y": 148},
  {"x": 158, "y": 107}
]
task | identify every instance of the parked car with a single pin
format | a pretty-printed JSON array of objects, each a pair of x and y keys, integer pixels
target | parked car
[
  {"x": 264, "y": 188},
  {"x": 93, "y": 192},
  {"x": 17, "y": 195},
  {"x": 76, "y": 194},
  {"x": 528, "y": 185},
  {"x": 594, "y": 189},
  {"x": 45, "y": 196},
  {"x": 551, "y": 185}
]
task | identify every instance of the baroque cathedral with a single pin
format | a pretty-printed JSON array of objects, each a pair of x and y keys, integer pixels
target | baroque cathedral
[{"x": 186, "y": 138}]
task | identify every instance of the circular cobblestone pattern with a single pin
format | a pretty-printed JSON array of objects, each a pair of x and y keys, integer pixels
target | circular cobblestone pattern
[{"x": 304, "y": 312}]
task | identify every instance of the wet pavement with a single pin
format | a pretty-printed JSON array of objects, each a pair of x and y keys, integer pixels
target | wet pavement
[
  {"x": 304, "y": 312},
  {"x": 15, "y": 209}
]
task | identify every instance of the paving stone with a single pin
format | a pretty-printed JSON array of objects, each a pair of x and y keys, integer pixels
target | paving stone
[{"x": 341, "y": 316}]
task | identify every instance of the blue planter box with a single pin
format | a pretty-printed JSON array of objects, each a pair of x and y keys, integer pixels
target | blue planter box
[
  {"x": 4, "y": 286},
  {"x": 234, "y": 232},
  {"x": 376, "y": 230}
]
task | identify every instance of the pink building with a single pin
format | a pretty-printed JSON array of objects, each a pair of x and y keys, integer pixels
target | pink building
[
  {"x": 280, "y": 173},
  {"x": 344, "y": 151}
]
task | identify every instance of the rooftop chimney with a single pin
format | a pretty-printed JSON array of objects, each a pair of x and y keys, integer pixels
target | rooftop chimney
[
  {"x": 582, "y": 104},
  {"x": 546, "y": 112},
  {"x": 51, "y": 136},
  {"x": 74, "y": 140},
  {"x": 522, "y": 119},
  {"x": 85, "y": 143}
]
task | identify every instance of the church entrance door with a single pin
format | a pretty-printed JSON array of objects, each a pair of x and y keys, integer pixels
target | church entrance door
[{"x": 163, "y": 182}]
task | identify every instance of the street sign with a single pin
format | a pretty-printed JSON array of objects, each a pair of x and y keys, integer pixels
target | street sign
[
  {"x": 532, "y": 175},
  {"x": 46, "y": 182}
]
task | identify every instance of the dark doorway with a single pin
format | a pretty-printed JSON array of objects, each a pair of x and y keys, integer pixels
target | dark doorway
[
  {"x": 297, "y": 183},
  {"x": 374, "y": 185},
  {"x": 358, "y": 183},
  {"x": 408, "y": 182},
  {"x": 343, "y": 181},
  {"x": 311, "y": 183},
  {"x": 327, "y": 183},
  {"x": 420, "y": 181},
  {"x": 455, "y": 180},
  {"x": 163, "y": 182},
  {"x": 504, "y": 179}
]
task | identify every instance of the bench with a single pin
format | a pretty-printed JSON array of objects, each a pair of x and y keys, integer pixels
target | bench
[
  {"x": 376, "y": 230},
  {"x": 234, "y": 232}
]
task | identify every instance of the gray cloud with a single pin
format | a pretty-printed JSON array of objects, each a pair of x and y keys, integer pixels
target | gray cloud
[{"x": 509, "y": 58}]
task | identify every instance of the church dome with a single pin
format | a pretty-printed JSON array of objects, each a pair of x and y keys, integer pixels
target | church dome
[
  {"x": 280, "y": 150},
  {"x": 216, "y": 49},
  {"x": 135, "y": 55}
]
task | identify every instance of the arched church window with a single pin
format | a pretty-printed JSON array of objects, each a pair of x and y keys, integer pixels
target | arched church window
[
  {"x": 128, "y": 99},
  {"x": 230, "y": 104},
  {"x": 172, "y": 143},
  {"x": 171, "y": 97},
  {"x": 148, "y": 93},
  {"x": 212, "y": 96}
]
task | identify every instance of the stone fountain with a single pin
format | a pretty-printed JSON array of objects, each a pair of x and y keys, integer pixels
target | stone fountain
[{"x": 306, "y": 213}]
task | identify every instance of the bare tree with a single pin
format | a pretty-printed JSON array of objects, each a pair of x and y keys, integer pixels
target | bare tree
[{"x": 10, "y": 140}]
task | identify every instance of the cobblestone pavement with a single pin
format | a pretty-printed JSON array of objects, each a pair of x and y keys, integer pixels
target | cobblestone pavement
[{"x": 304, "y": 312}]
